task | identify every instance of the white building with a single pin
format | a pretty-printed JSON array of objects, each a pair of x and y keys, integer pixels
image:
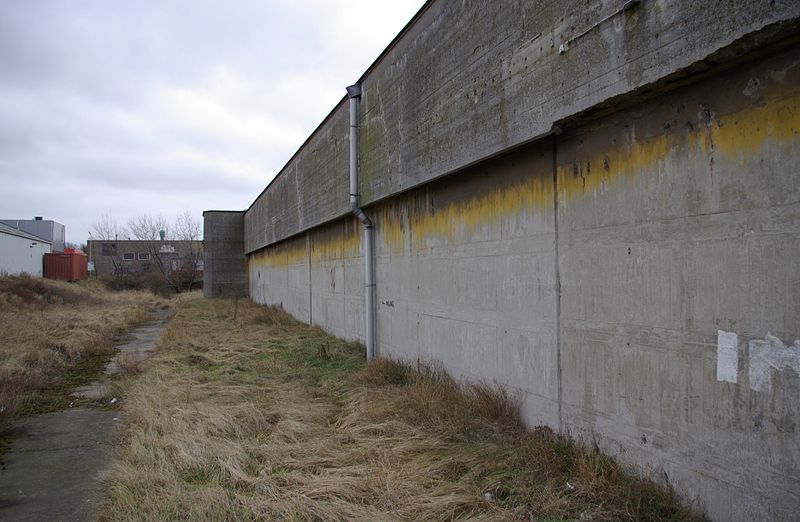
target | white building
[
  {"x": 21, "y": 252},
  {"x": 51, "y": 231}
]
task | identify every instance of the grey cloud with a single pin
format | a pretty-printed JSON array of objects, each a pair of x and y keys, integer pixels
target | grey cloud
[{"x": 90, "y": 100}]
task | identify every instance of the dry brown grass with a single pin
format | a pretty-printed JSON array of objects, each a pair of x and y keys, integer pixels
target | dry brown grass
[
  {"x": 128, "y": 364},
  {"x": 54, "y": 336},
  {"x": 246, "y": 414}
]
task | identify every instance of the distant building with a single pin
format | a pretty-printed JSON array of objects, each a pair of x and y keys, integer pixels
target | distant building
[
  {"x": 119, "y": 257},
  {"x": 21, "y": 252},
  {"x": 46, "y": 229}
]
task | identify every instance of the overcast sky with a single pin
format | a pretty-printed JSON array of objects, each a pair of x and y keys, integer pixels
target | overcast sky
[{"x": 126, "y": 107}]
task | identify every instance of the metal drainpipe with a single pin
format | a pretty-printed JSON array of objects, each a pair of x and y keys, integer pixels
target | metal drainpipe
[{"x": 354, "y": 92}]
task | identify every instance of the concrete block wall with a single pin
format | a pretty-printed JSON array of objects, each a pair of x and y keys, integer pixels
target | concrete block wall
[
  {"x": 591, "y": 271},
  {"x": 224, "y": 272}
]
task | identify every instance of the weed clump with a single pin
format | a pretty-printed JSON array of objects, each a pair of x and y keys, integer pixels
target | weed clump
[
  {"x": 26, "y": 290},
  {"x": 383, "y": 371},
  {"x": 270, "y": 316},
  {"x": 432, "y": 397},
  {"x": 139, "y": 281}
]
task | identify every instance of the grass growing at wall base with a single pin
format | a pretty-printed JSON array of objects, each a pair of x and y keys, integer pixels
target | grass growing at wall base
[
  {"x": 537, "y": 471},
  {"x": 245, "y": 413}
]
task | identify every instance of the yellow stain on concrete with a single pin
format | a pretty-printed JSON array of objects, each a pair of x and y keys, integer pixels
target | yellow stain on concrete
[
  {"x": 588, "y": 175},
  {"x": 339, "y": 246},
  {"x": 344, "y": 245},
  {"x": 278, "y": 257},
  {"x": 392, "y": 227},
  {"x": 737, "y": 136},
  {"x": 742, "y": 135},
  {"x": 466, "y": 216}
]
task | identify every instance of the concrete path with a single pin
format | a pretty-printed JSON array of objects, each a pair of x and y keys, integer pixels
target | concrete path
[
  {"x": 134, "y": 351},
  {"x": 53, "y": 469}
]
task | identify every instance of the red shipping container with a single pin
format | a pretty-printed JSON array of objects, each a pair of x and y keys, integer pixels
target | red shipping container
[{"x": 70, "y": 266}]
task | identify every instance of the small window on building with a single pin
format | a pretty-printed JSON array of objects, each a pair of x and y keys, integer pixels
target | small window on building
[
  {"x": 109, "y": 249},
  {"x": 129, "y": 256},
  {"x": 144, "y": 256}
]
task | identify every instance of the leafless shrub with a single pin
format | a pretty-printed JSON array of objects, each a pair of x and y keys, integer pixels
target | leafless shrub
[{"x": 26, "y": 290}]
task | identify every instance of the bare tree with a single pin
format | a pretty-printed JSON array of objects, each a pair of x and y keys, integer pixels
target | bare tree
[
  {"x": 148, "y": 227},
  {"x": 107, "y": 229},
  {"x": 177, "y": 267},
  {"x": 188, "y": 228}
]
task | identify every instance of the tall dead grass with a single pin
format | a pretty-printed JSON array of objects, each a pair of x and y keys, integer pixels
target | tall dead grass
[
  {"x": 246, "y": 414},
  {"x": 55, "y": 335}
]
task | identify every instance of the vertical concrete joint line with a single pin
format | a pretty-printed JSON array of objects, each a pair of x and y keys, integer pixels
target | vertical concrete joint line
[
  {"x": 310, "y": 289},
  {"x": 558, "y": 283}
]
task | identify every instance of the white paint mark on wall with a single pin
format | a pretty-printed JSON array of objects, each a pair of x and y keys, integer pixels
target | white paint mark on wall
[
  {"x": 771, "y": 354},
  {"x": 727, "y": 356}
]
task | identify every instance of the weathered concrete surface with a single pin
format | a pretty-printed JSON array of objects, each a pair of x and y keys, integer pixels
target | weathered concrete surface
[
  {"x": 469, "y": 264},
  {"x": 469, "y": 80},
  {"x": 466, "y": 273},
  {"x": 52, "y": 470},
  {"x": 223, "y": 254},
  {"x": 678, "y": 219},
  {"x": 141, "y": 346},
  {"x": 337, "y": 278},
  {"x": 592, "y": 272},
  {"x": 288, "y": 285}
]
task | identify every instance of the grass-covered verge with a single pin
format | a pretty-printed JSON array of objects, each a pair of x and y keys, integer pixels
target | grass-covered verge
[
  {"x": 55, "y": 336},
  {"x": 246, "y": 414}
]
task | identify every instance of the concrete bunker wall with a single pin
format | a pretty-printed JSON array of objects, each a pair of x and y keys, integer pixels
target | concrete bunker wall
[
  {"x": 592, "y": 272},
  {"x": 224, "y": 272},
  {"x": 629, "y": 263},
  {"x": 469, "y": 80}
]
